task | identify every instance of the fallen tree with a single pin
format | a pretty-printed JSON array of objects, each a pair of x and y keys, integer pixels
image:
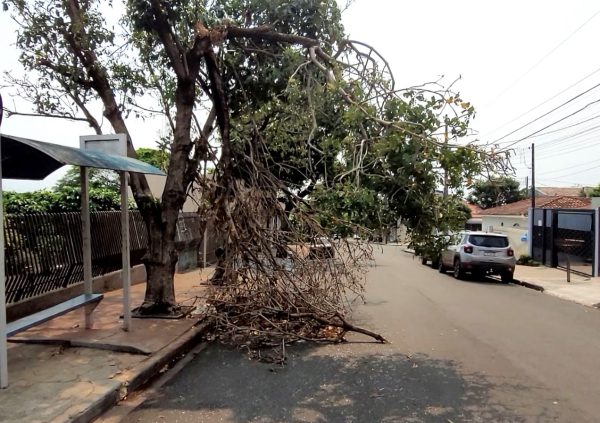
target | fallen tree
[{"x": 281, "y": 107}]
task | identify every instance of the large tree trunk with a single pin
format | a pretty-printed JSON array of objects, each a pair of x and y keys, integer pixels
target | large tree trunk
[
  {"x": 160, "y": 261},
  {"x": 161, "y": 257},
  {"x": 160, "y": 219}
]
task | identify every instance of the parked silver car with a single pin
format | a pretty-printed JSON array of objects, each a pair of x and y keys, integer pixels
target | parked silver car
[{"x": 479, "y": 253}]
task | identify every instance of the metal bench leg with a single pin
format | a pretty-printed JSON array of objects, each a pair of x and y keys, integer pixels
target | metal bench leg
[{"x": 89, "y": 317}]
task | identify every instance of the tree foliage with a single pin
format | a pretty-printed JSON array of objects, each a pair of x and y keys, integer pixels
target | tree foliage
[
  {"x": 104, "y": 190},
  {"x": 156, "y": 157},
  {"x": 302, "y": 126},
  {"x": 594, "y": 192},
  {"x": 495, "y": 191},
  {"x": 66, "y": 199}
]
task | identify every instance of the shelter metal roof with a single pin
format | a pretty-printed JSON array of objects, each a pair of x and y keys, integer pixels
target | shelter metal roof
[{"x": 23, "y": 158}]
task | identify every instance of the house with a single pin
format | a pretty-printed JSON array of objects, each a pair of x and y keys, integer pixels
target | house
[
  {"x": 475, "y": 222},
  {"x": 511, "y": 219}
]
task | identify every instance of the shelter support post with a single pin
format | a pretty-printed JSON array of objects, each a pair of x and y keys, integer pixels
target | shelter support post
[
  {"x": 125, "y": 248},
  {"x": 204, "y": 237},
  {"x": 87, "y": 244},
  {"x": 3, "y": 346}
]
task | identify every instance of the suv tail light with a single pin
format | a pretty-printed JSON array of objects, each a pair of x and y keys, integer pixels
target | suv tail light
[
  {"x": 468, "y": 249},
  {"x": 510, "y": 252}
]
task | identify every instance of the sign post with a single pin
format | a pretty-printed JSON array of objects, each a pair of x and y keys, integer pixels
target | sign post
[{"x": 3, "y": 346}]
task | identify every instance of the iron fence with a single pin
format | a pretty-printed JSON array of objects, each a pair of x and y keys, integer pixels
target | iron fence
[{"x": 44, "y": 253}]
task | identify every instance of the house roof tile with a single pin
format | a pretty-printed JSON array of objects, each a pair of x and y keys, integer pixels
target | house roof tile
[{"x": 521, "y": 208}]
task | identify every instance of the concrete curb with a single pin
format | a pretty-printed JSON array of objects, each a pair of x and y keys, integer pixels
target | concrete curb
[
  {"x": 522, "y": 283},
  {"x": 529, "y": 285},
  {"x": 137, "y": 377}
]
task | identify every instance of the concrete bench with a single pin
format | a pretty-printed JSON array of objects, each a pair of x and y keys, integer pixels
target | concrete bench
[{"x": 50, "y": 313}]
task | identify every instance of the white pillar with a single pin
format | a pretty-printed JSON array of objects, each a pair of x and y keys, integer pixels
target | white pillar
[
  {"x": 87, "y": 244},
  {"x": 125, "y": 247},
  {"x": 3, "y": 346}
]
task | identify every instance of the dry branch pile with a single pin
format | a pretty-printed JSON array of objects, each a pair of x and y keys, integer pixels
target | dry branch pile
[{"x": 280, "y": 279}]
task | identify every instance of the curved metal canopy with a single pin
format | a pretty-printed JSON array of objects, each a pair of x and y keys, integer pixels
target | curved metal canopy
[{"x": 23, "y": 158}]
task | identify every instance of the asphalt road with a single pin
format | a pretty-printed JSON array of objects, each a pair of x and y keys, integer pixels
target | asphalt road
[{"x": 461, "y": 351}]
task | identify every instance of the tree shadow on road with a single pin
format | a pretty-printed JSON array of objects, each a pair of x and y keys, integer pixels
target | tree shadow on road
[{"x": 313, "y": 387}]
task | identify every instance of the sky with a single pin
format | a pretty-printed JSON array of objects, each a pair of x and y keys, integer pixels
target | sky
[{"x": 530, "y": 68}]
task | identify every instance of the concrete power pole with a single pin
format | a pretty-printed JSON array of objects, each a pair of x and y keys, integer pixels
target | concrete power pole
[
  {"x": 445, "y": 171},
  {"x": 533, "y": 175}
]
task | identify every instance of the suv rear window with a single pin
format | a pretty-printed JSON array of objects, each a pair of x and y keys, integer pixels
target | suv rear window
[{"x": 488, "y": 241}]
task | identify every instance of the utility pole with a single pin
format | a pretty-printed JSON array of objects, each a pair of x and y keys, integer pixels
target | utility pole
[
  {"x": 533, "y": 175},
  {"x": 446, "y": 171},
  {"x": 526, "y": 185}
]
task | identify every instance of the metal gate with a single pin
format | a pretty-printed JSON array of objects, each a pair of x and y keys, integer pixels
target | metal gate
[{"x": 565, "y": 238}]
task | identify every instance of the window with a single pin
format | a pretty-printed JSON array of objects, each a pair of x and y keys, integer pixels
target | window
[{"x": 488, "y": 241}]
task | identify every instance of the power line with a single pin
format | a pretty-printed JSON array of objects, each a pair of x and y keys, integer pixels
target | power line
[
  {"x": 595, "y": 167},
  {"x": 547, "y": 113},
  {"x": 516, "y": 81},
  {"x": 577, "y": 184},
  {"x": 566, "y": 127},
  {"x": 570, "y": 168},
  {"x": 550, "y": 125},
  {"x": 564, "y": 151},
  {"x": 558, "y": 142},
  {"x": 546, "y": 101}
]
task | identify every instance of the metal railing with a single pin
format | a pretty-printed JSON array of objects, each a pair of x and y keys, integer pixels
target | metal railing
[{"x": 44, "y": 251}]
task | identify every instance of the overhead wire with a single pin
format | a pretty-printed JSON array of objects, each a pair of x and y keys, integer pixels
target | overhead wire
[
  {"x": 566, "y": 127},
  {"x": 559, "y": 141},
  {"x": 528, "y": 71},
  {"x": 545, "y": 114},
  {"x": 546, "y": 101},
  {"x": 570, "y": 168},
  {"x": 550, "y": 125}
]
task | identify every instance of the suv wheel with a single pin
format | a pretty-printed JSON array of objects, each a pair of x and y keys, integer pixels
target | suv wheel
[
  {"x": 507, "y": 277},
  {"x": 441, "y": 267},
  {"x": 458, "y": 271},
  {"x": 423, "y": 261}
]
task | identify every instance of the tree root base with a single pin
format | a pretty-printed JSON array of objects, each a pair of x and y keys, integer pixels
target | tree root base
[{"x": 157, "y": 312}]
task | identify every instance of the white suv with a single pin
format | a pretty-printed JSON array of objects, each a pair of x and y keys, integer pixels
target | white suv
[{"x": 480, "y": 253}]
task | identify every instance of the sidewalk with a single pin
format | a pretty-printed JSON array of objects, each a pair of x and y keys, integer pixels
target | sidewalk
[
  {"x": 582, "y": 289},
  {"x": 77, "y": 374}
]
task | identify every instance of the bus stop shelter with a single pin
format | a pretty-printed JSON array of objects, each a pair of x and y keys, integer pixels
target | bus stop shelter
[{"x": 23, "y": 158}]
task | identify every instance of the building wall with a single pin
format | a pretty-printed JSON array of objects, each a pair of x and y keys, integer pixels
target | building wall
[
  {"x": 512, "y": 226},
  {"x": 157, "y": 185}
]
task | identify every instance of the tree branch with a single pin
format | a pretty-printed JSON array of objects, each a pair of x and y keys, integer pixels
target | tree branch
[
  {"x": 10, "y": 113},
  {"x": 172, "y": 47},
  {"x": 64, "y": 71}
]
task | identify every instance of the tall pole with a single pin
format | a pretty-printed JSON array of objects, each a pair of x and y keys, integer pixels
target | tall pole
[
  {"x": 88, "y": 286},
  {"x": 3, "y": 346},
  {"x": 446, "y": 171},
  {"x": 526, "y": 185},
  {"x": 204, "y": 240},
  {"x": 533, "y": 175},
  {"x": 125, "y": 251}
]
